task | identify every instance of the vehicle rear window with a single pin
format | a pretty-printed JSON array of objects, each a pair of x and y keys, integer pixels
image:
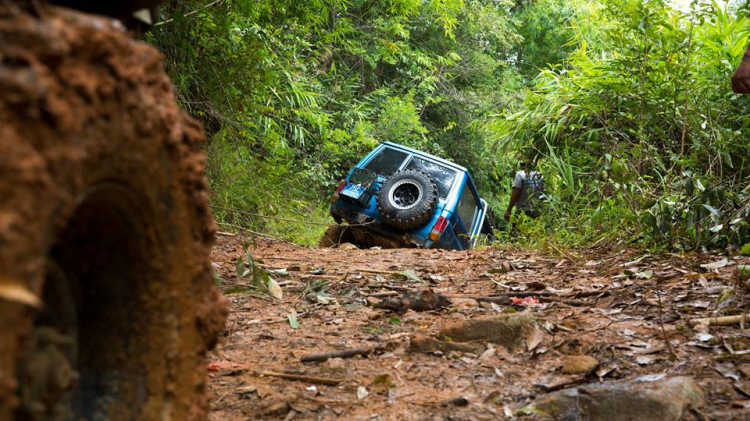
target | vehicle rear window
[
  {"x": 467, "y": 208},
  {"x": 442, "y": 175},
  {"x": 386, "y": 162}
]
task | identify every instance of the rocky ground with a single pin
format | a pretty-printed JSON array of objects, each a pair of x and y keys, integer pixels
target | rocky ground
[{"x": 485, "y": 334}]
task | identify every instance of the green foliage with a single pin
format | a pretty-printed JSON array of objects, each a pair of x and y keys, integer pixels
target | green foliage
[
  {"x": 261, "y": 281},
  {"x": 293, "y": 94},
  {"x": 625, "y": 106},
  {"x": 638, "y": 127}
]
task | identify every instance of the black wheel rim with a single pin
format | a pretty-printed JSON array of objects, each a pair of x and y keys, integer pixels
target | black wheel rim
[{"x": 406, "y": 195}]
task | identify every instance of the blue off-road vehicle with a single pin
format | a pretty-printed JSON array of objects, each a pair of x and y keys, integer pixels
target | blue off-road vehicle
[{"x": 401, "y": 197}]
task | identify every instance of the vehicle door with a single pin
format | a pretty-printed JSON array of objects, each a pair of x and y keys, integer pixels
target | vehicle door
[{"x": 467, "y": 215}]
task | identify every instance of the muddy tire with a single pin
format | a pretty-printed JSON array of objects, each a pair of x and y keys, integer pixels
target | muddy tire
[
  {"x": 365, "y": 238},
  {"x": 407, "y": 199},
  {"x": 336, "y": 235},
  {"x": 104, "y": 216}
]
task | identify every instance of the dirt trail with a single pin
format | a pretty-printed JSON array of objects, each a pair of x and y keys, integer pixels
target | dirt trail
[{"x": 603, "y": 305}]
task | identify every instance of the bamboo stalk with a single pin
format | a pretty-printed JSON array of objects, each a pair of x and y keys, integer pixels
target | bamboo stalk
[{"x": 722, "y": 320}]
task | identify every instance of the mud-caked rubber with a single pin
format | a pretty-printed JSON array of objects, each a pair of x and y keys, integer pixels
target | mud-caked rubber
[
  {"x": 336, "y": 235},
  {"x": 101, "y": 173},
  {"x": 416, "y": 216}
]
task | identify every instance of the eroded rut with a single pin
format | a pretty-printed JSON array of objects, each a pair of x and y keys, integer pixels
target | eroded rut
[{"x": 577, "y": 337}]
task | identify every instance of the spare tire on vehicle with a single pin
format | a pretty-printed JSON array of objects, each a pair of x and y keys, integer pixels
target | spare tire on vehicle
[
  {"x": 107, "y": 301},
  {"x": 408, "y": 199}
]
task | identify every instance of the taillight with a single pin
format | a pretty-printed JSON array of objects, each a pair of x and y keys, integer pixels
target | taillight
[
  {"x": 335, "y": 197},
  {"x": 438, "y": 228}
]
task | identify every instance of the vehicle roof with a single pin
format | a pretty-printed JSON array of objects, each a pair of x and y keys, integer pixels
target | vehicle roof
[{"x": 418, "y": 152}]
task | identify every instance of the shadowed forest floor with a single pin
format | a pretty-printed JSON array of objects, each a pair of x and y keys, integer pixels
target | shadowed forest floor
[{"x": 597, "y": 303}]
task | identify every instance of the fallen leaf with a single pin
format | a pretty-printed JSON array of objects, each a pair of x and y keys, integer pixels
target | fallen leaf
[
  {"x": 362, "y": 392},
  {"x": 493, "y": 397},
  {"x": 727, "y": 370},
  {"x": 716, "y": 265},
  {"x": 717, "y": 228},
  {"x": 274, "y": 290},
  {"x": 700, "y": 304},
  {"x": 651, "y": 377},
  {"x": 704, "y": 337},
  {"x": 636, "y": 261},
  {"x": 245, "y": 390},
  {"x": 603, "y": 371},
  {"x": 409, "y": 274},
  {"x": 279, "y": 272},
  {"x": 643, "y": 360},
  {"x": 488, "y": 353},
  {"x": 293, "y": 321},
  {"x": 534, "y": 339},
  {"x": 14, "y": 291}
]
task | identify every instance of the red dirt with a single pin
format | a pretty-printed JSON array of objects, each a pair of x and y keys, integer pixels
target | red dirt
[
  {"x": 97, "y": 165},
  {"x": 616, "y": 321}
]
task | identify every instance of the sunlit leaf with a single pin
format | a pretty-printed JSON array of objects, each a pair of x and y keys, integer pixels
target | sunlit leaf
[
  {"x": 274, "y": 290},
  {"x": 293, "y": 321},
  {"x": 13, "y": 291}
]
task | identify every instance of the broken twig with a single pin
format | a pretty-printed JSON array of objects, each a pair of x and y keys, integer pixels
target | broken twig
[
  {"x": 381, "y": 272},
  {"x": 302, "y": 378},
  {"x": 383, "y": 294},
  {"x": 667, "y": 341},
  {"x": 346, "y": 353}
]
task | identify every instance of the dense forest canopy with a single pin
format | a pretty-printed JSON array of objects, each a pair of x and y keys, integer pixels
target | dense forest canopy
[{"x": 625, "y": 106}]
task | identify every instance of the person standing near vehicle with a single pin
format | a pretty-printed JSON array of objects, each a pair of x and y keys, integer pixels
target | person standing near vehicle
[{"x": 528, "y": 188}]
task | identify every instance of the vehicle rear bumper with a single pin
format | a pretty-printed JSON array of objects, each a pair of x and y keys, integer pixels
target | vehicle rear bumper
[{"x": 363, "y": 221}]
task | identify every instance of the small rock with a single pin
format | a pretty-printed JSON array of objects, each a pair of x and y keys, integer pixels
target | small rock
[
  {"x": 425, "y": 300},
  {"x": 421, "y": 343},
  {"x": 648, "y": 398},
  {"x": 460, "y": 303},
  {"x": 579, "y": 364},
  {"x": 744, "y": 369},
  {"x": 504, "y": 267},
  {"x": 459, "y": 401},
  {"x": 508, "y": 330},
  {"x": 348, "y": 246}
]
